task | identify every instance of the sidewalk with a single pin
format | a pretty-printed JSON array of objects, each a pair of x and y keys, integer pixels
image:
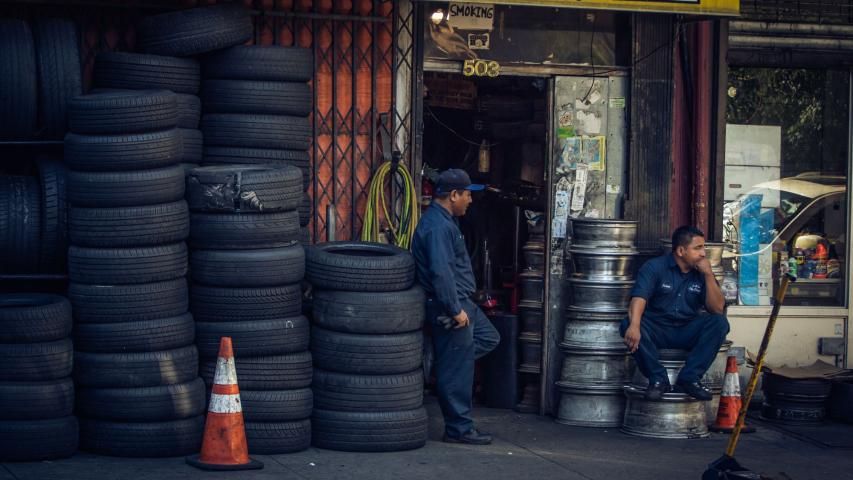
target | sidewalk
[{"x": 525, "y": 447}]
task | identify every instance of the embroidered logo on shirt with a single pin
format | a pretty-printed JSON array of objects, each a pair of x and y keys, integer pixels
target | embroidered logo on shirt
[
  {"x": 666, "y": 287},
  {"x": 694, "y": 288}
]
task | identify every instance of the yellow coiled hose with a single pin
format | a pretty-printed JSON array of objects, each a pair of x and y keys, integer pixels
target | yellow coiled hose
[{"x": 377, "y": 202}]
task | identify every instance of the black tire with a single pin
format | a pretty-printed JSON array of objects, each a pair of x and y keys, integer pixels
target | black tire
[
  {"x": 142, "y": 336},
  {"x": 254, "y": 338},
  {"x": 146, "y": 225},
  {"x": 257, "y": 96},
  {"x": 126, "y": 189},
  {"x": 20, "y": 223},
  {"x": 305, "y": 211},
  {"x": 36, "y": 362},
  {"x": 359, "y": 267},
  {"x": 36, "y": 440},
  {"x": 137, "y": 71},
  {"x": 137, "y": 369},
  {"x": 123, "y": 111},
  {"x": 273, "y": 372},
  {"x": 244, "y": 188},
  {"x": 272, "y": 438},
  {"x": 276, "y": 405},
  {"x": 193, "y": 31},
  {"x": 121, "y": 266},
  {"x": 19, "y": 101},
  {"x": 778, "y": 386},
  {"x": 248, "y": 268},
  {"x": 128, "y": 303},
  {"x": 273, "y": 63},
  {"x": 370, "y": 312},
  {"x": 347, "y": 392},
  {"x": 244, "y": 230},
  {"x": 369, "y": 431},
  {"x": 192, "y": 145},
  {"x": 367, "y": 354},
  {"x": 54, "y": 215},
  {"x": 256, "y": 131},
  {"x": 34, "y": 317},
  {"x": 36, "y": 400},
  {"x": 136, "y": 151},
  {"x": 60, "y": 75},
  {"x": 260, "y": 156},
  {"x": 224, "y": 304},
  {"x": 143, "y": 404},
  {"x": 189, "y": 111},
  {"x": 149, "y": 439}
]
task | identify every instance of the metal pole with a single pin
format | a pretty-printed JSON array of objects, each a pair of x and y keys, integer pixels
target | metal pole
[{"x": 331, "y": 222}]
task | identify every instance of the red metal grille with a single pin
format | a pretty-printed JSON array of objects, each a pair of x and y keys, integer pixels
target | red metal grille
[{"x": 355, "y": 52}]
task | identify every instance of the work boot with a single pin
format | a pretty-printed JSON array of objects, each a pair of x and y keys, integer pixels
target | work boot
[
  {"x": 656, "y": 390},
  {"x": 695, "y": 390},
  {"x": 471, "y": 437}
]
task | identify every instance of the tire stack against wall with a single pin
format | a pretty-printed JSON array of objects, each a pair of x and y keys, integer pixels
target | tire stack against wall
[
  {"x": 256, "y": 101},
  {"x": 790, "y": 401},
  {"x": 368, "y": 346},
  {"x": 247, "y": 268},
  {"x": 530, "y": 309},
  {"x": 121, "y": 71},
  {"x": 36, "y": 391},
  {"x": 136, "y": 368},
  {"x": 596, "y": 363}
]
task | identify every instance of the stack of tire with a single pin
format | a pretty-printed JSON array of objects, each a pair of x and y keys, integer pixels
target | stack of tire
[
  {"x": 256, "y": 101},
  {"x": 41, "y": 72},
  {"x": 247, "y": 267},
  {"x": 367, "y": 345},
  {"x": 121, "y": 71},
  {"x": 36, "y": 391},
  {"x": 136, "y": 367}
]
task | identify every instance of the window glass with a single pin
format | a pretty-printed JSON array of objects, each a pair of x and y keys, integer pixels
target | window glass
[{"x": 785, "y": 185}]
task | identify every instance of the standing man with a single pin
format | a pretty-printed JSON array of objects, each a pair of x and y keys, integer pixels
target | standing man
[
  {"x": 664, "y": 313},
  {"x": 461, "y": 333}
]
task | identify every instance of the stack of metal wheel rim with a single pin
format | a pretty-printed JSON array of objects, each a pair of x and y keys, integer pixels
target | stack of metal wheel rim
[
  {"x": 596, "y": 363},
  {"x": 530, "y": 307},
  {"x": 676, "y": 415}
]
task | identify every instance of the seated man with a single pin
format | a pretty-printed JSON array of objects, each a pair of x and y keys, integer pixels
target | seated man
[{"x": 665, "y": 313}]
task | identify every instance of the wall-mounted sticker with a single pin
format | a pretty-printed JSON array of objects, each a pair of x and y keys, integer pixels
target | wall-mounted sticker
[
  {"x": 594, "y": 153},
  {"x": 479, "y": 41},
  {"x": 617, "y": 102},
  {"x": 579, "y": 192},
  {"x": 614, "y": 189},
  {"x": 570, "y": 154},
  {"x": 588, "y": 123},
  {"x": 561, "y": 208}
]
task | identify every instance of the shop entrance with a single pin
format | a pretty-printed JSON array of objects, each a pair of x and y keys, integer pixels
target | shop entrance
[{"x": 495, "y": 130}]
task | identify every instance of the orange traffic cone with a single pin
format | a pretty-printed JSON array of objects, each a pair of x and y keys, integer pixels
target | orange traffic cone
[
  {"x": 730, "y": 401},
  {"x": 224, "y": 445}
]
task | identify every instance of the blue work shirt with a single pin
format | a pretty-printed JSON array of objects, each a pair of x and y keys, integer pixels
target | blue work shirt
[
  {"x": 442, "y": 263},
  {"x": 672, "y": 296}
]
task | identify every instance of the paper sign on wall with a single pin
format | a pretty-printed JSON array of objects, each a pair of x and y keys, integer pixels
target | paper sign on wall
[{"x": 466, "y": 16}]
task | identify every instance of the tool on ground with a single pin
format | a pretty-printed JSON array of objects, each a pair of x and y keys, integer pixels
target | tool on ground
[
  {"x": 726, "y": 467},
  {"x": 730, "y": 401},
  {"x": 224, "y": 445}
]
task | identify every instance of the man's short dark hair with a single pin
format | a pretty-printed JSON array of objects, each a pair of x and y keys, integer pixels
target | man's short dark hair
[{"x": 683, "y": 235}]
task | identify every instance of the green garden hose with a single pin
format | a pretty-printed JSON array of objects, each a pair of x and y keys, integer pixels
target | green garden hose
[{"x": 377, "y": 203}]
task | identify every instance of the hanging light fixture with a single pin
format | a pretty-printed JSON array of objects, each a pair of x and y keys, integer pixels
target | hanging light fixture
[{"x": 483, "y": 161}]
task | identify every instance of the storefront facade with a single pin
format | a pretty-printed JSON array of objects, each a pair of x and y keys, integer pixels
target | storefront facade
[
  {"x": 783, "y": 173},
  {"x": 607, "y": 73}
]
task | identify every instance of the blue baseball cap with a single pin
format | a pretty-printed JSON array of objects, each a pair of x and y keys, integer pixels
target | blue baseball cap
[{"x": 455, "y": 179}]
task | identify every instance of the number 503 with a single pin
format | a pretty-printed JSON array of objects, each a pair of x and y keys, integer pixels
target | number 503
[{"x": 481, "y": 68}]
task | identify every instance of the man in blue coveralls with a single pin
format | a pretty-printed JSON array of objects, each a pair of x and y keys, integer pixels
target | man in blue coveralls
[
  {"x": 461, "y": 333},
  {"x": 665, "y": 313}
]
